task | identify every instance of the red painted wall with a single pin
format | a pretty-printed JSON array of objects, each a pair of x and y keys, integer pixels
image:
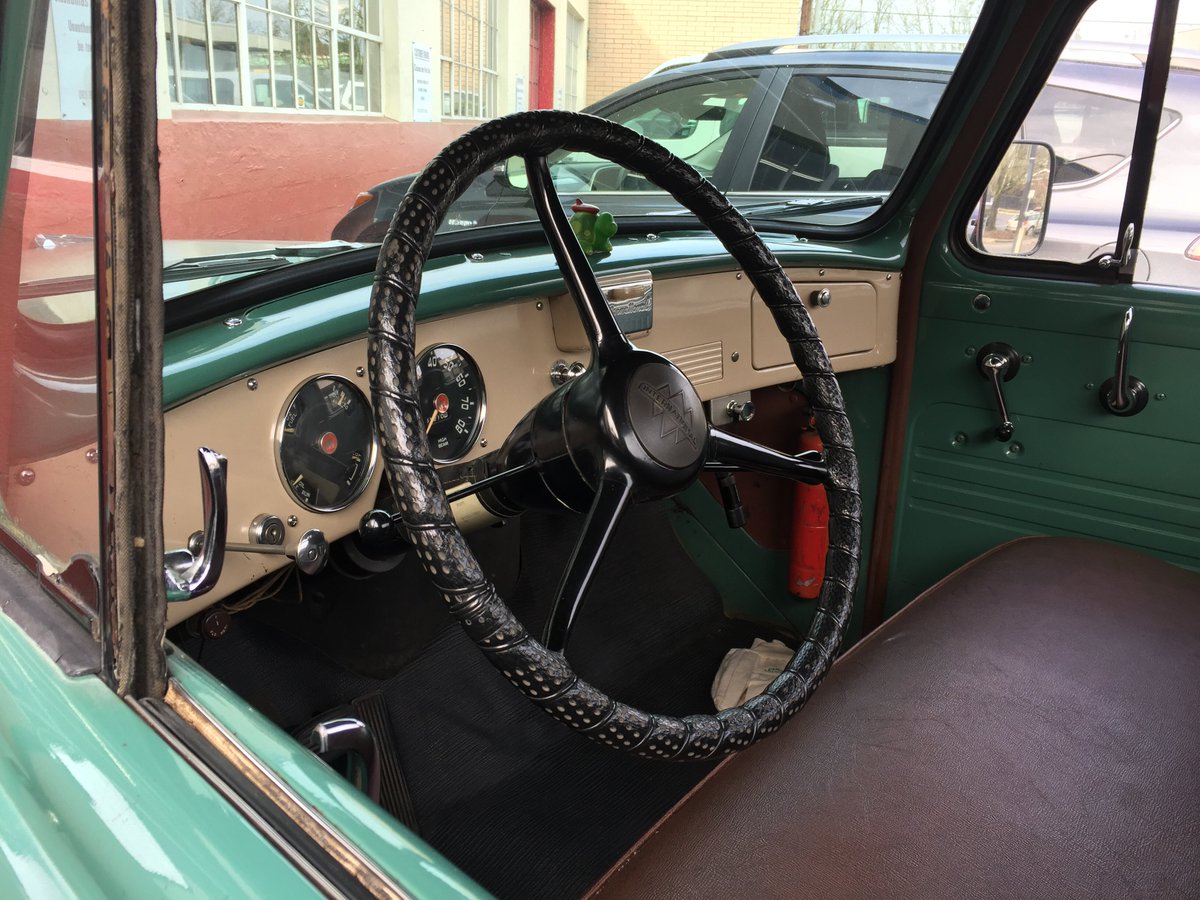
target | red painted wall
[{"x": 240, "y": 175}]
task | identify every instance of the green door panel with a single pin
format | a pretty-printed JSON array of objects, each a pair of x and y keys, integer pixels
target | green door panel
[
  {"x": 95, "y": 804},
  {"x": 1070, "y": 467},
  {"x": 419, "y": 869}
]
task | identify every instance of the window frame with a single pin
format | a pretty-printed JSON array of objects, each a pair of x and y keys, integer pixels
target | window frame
[{"x": 487, "y": 49}]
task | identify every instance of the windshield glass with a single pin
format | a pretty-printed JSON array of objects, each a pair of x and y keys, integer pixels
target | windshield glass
[{"x": 284, "y": 122}]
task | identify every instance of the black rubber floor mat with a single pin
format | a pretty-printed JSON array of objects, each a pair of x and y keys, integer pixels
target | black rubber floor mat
[
  {"x": 523, "y": 804},
  {"x": 394, "y": 795}
]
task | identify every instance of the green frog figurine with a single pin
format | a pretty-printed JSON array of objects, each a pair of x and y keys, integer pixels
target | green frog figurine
[{"x": 594, "y": 229}]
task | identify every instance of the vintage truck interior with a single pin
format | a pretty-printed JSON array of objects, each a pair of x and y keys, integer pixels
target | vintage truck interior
[{"x": 478, "y": 516}]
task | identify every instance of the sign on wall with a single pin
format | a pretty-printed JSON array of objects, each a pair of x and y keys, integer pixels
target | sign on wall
[
  {"x": 73, "y": 47},
  {"x": 521, "y": 105},
  {"x": 422, "y": 68}
]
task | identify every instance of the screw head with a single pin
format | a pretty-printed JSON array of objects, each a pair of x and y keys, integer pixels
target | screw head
[
  {"x": 252, "y": 384},
  {"x": 1014, "y": 449},
  {"x": 1160, "y": 396},
  {"x": 360, "y": 371},
  {"x": 960, "y": 439},
  {"x": 1027, "y": 358},
  {"x": 735, "y": 356},
  {"x": 26, "y": 477},
  {"x": 540, "y": 305},
  {"x": 292, "y": 521},
  {"x": 483, "y": 442},
  {"x": 233, "y": 322},
  {"x": 1090, "y": 386},
  {"x": 970, "y": 351},
  {"x": 92, "y": 455},
  {"x": 982, "y": 302},
  {"x": 476, "y": 257}
]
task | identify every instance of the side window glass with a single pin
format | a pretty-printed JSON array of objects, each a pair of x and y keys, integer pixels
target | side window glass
[
  {"x": 49, "y": 479},
  {"x": 1086, "y": 113},
  {"x": 1169, "y": 247},
  {"x": 844, "y": 133},
  {"x": 693, "y": 122}
]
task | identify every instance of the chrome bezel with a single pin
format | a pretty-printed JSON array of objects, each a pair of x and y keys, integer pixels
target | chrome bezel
[
  {"x": 482, "y": 399},
  {"x": 374, "y": 455}
]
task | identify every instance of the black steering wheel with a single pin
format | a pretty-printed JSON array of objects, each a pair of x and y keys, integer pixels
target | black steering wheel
[{"x": 632, "y": 428}]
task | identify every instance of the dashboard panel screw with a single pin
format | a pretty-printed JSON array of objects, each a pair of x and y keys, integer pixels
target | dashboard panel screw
[
  {"x": 960, "y": 439},
  {"x": 1091, "y": 385},
  {"x": 738, "y": 276},
  {"x": 483, "y": 442},
  {"x": 1160, "y": 396},
  {"x": 1027, "y": 358},
  {"x": 821, "y": 272},
  {"x": 293, "y": 521},
  {"x": 540, "y": 305},
  {"x": 252, "y": 384},
  {"x": 982, "y": 302},
  {"x": 889, "y": 276},
  {"x": 970, "y": 351},
  {"x": 360, "y": 371},
  {"x": 734, "y": 356},
  {"x": 92, "y": 455},
  {"x": 26, "y": 477}
]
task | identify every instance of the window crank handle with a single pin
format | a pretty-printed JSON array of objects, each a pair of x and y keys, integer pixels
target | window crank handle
[{"x": 998, "y": 363}]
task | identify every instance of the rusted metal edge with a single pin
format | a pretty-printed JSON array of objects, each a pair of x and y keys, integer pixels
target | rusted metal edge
[{"x": 316, "y": 827}]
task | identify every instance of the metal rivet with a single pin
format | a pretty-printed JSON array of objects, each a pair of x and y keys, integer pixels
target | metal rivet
[
  {"x": 92, "y": 455},
  {"x": 1091, "y": 385},
  {"x": 252, "y": 384},
  {"x": 738, "y": 276},
  {"x": 540, "y": 305},
  {"x": 970, "y": 351},
  {"x": 476, "y": 257},
  {"x": 982, "y": 302},
  {"x": 233, "y": 322},
  {"x": 1014, "y": 449},
  {"x": 1027, "y": 358},
  {"x": 26, "y": 476},
  {"x": 889, "y": 276},
  {"x": 734, "y": 356},
  {"x": 360, "y": 371},
  {"x": 960, "y": 439},
  {"x": 821, "y": 272},
  {"x": 483, "y": 442},
  {"x": 293, "y": 521},
  {"x": 1160, "y": 396}
]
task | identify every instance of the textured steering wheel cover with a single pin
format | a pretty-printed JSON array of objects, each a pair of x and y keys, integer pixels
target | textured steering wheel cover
[{"x": 545, "y": 677}]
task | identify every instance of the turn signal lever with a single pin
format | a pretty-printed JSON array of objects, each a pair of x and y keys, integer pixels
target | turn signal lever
[
  {"x": 997, "y": 363},
  {"x": 1124, "y": 395}
]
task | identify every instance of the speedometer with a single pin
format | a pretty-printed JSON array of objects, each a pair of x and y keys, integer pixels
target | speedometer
[
  {"x": 326, "y": 443},
  {"x": 452, "y": 401}
]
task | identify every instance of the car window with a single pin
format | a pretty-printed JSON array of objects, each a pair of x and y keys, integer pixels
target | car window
[
  {"x": 1087, "y": 114},
  {"x": 693, "y": 122},
  {"x": 844, "y": 133},
  {"x": 49, "y": 477}
]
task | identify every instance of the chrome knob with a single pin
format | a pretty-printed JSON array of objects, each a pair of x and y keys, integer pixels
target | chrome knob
[{"x": 740, "y": 410}]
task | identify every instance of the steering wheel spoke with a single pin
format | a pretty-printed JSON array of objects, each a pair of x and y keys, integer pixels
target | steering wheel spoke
[
  {"x": 612, "y": 499},
  {"x": 730, "y": 453},
  {"x": 607, "y": 340}
]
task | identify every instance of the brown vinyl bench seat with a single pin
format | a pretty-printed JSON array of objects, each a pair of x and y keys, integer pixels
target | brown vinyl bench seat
[{"x": 1029, "y": 727}]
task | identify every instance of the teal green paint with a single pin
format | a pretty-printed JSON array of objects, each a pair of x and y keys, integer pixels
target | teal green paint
[
  {"x": 14, "y": 44},
  {"x": 1079, "y": 471},
  {"x": 200, "y": 358},
  {"x": 95, "y": 804},
  {"x": 752, "y": 579},
  {"x": 413, "y": 864}
]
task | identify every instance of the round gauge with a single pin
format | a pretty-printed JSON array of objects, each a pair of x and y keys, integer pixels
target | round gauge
[
  {"x": 326, "y": 443},
  {"x": 450, "y": 390}
]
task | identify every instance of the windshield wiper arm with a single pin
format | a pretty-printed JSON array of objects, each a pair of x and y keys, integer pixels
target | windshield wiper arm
[
  {"x": 805, "y": 208},
  {"x": 252, "y": 261}
]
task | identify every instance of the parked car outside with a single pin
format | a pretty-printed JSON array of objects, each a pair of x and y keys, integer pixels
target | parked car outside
[{"x": 811, "y": 121}]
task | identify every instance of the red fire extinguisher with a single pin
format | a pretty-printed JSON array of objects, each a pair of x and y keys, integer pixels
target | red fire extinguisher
[{"x": 810, "y": 529}]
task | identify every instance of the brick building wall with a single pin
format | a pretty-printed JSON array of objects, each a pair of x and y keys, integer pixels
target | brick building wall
[{"x": 628, "y": 38}]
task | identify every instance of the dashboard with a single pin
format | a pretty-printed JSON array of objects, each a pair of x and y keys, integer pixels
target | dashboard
[{"x": 300, "y": 441}]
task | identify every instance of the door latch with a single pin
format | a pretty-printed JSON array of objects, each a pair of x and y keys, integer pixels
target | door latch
[{"x": 1124, "y": 395}]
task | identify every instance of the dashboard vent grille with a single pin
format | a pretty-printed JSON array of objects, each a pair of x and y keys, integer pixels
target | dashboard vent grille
[{"x": 700, "y": 364}]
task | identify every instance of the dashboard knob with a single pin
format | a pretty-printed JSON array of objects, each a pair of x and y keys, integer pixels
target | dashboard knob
[
  {"x": 312, "y": 552},
  {"x": 740, "y": 410}
]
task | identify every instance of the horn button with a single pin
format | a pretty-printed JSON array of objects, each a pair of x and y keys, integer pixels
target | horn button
[{"x": 666, "y": 415}]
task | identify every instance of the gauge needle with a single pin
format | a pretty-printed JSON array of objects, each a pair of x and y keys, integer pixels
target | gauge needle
[{"x": 432, "y": 419}]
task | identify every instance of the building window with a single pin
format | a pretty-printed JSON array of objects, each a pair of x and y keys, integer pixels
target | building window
[
  {"x": 286, "y": 54},
  {"x": 470, "y": 40},
  {"x": 574, "y": 40}
]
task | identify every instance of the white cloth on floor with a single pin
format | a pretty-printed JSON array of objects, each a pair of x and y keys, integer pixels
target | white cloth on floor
[{"x": 746, "y": 672}]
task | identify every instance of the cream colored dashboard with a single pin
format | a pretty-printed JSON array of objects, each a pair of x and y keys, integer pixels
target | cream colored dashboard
[{"x": 710, "y": 325}]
